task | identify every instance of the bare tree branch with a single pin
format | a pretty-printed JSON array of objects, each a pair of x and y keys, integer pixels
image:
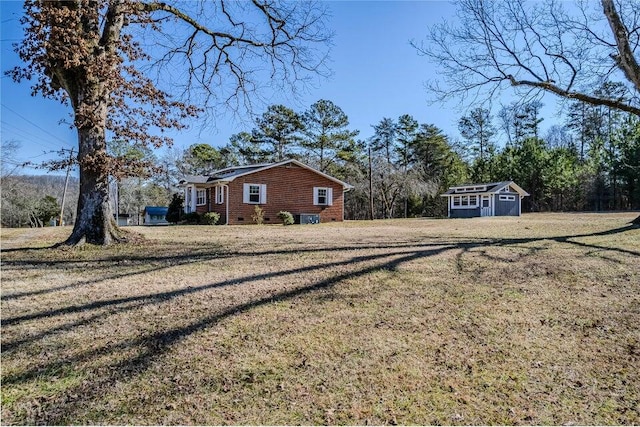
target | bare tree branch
[
  {"x": 544, "y": 46},
  {"x": 625, "y": 57}
]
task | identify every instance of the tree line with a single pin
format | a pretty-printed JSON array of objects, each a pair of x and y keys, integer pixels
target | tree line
[
  {"x": 591, "y": 162},
  {"x": 35, "y": 200}
]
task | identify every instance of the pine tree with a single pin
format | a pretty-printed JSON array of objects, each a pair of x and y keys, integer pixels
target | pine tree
[{"x": 176, "y": 208}]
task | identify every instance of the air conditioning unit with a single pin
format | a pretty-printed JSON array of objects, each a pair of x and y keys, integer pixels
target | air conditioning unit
[{"x": 309, "y": 219}]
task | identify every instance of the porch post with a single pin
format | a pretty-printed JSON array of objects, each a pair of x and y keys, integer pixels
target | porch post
[{"x": 187, "y": 200}]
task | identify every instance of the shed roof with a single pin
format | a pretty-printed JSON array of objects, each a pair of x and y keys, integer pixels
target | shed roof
[
  {"x": 490, "y": 188},
  {"x": 156, "y": 210}
]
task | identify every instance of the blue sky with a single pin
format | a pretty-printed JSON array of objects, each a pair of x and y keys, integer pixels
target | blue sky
[{"x": 376, "y": 74}]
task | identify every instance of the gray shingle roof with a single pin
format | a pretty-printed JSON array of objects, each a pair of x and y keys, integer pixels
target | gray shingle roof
[
  {"x": 228, "y": 174},
  {"x": 491, "y": 187},
  {"x": 196, "y": 179}
]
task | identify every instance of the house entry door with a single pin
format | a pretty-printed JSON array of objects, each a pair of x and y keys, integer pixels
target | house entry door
[{"x": 485, "y": 206}]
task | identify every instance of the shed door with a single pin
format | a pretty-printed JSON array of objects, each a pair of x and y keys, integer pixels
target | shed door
[{"x": 485, "y": 206}]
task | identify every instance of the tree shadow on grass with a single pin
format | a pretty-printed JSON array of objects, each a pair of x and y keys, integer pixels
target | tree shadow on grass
[
  {"x": 155, "y": 345},
  {"x": 157, "y": 262},
  {"x": 569, "y": 239},
  {"x": 65, "y": 406}
]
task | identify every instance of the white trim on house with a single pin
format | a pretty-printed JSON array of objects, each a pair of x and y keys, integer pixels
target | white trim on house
[
  {"x": 257, "y": 192},
  {"x": 464, "y": 202},
  {"x": 470, "y": 189},
  {"x": 219, "y": 194},
  {"x": 323, "y": 196},
  {"x": 201, "y": 196},
  {"x": 284, "y": 162},
  {"x": 512, "y": 186},
  {"x": 190, "y": 199},
  {"x": 488, "y": 210},
  {"x": 212, "y": 180}
]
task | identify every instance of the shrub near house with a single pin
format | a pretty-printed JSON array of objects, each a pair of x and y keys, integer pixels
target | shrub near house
[{"x": 308, "y": 194}]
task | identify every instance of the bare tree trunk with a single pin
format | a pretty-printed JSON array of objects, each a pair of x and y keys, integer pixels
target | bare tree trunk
[{"x": 94, "y": 220}]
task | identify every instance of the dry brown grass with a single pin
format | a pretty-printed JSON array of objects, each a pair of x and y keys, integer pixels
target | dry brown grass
[{"x": 531, "y": 320}]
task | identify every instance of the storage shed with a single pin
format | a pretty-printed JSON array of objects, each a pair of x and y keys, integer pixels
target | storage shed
[{"x": 491, "y": 199}]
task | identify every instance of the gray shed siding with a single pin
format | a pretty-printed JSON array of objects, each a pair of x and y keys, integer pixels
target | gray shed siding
[
  {"x": 507, "y": 208},
  {"x": 464, "y": 213}
]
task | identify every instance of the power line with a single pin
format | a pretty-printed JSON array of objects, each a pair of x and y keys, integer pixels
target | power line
[
  {"x": 34, "y": 124},
  {"x": 31, "y": 137}
]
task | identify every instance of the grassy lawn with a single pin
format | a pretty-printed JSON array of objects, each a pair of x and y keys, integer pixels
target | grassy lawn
[{"x": 530, "y": 320}]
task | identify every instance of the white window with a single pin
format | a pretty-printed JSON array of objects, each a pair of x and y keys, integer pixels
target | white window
[
  {"x": 201, "y": 197},
  {"x": 322, "y": 196},
  {"x": 471, "y": 189},
  {"x": 507, "y": 198},
  {"x": 219, "y": 195},
  {"x": 255, "y": 194},
  {"x": 464, "y": 202}
]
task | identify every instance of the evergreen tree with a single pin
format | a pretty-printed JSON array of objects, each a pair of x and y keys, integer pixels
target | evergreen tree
[
  {"x": 478, "y": 131},
  {"x": 326, "y": 133},
  {"x": 47, "y": 208},
  {"x": 201, "y": 159},
  {"x": 406, "y": 134},
  {"x": 246, "y": 149},
  {"x": 278, "y": 128},
  {"x": 176, "y": 208},
  {"x": 384, "y": 139},
  {"x": 438, "y": 166},
  {"x": 387, "y": 178}
]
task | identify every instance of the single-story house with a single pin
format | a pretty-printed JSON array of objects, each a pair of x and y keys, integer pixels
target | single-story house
[
  {"x": 492, "y": 199},
  {"x": 310, "y": 195},
  {"x": 154, "y": 215}
]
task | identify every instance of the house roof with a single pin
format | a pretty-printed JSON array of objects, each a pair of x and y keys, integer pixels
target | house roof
[
  {"x": 489, "y": 188},
  {"x": 156, "y": 210},
  {"x": 196, "y": 179},
  {"x": 231, "y": 173}
]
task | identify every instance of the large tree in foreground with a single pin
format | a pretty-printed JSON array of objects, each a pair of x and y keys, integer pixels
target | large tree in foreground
[{"x": 114, "y": 62}]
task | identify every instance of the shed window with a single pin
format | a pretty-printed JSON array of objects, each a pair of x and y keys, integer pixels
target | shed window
[
  {"x": 504, "y": 198},
  {"x": 474, "y": 189},
  {"x": 464, "y": 202},
  {"x": 201, "y": 197}
]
